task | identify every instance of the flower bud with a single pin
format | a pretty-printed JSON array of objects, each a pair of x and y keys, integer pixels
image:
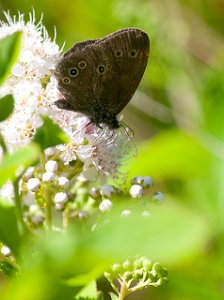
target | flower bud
[
  {"x": 51, "y": 166},
  {"x": 107, "y": 190},
  {"x": 127, "y": 275},
  {"x": 33, "y": 185},
  {"x": 61, "y": 198},
  {"x": 116, "y": 268},
  {"x": 126, "y": 213},
  {"x": 146, "y": 182},
  {"x": 138, "y": 274},
  {"x": 28, "y": 174},
  {"x": 138, "y": 263},
  {"x": 94, "y": 192},
  {"x": 127, "y": 264},
  {"x": 48, "y": 176},
  {"x": 63, "y": 182},
  {"x": 136, "y": 191},
  {"x": 5, "y": 250},
  {"x": 136, "y": 180},
  {"x": 105, "y": 205},
  {"x": 158, "y": 196}
]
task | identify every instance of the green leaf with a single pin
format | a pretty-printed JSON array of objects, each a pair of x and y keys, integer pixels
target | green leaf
[
  {"x": 25, "y": 157},
  {"x": 6, "y": 107},
  {"x": 9, "y": 52},
  {"x": 49, "y": 134},
  {"x": 172, "y": 154},
  {"x": 172, "y": 234},
  {"x": 9, "y": 234},
  {"x": 88, "y": 292}
]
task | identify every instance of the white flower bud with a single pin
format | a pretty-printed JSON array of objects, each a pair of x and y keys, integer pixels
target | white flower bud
[
  {"x": 146, "y": 213},
  {"x": 105, "y": 205},
  {"x": 59, "y": 206},
  {"x": 126, "y": 213},
  {"x": 63, "y": 182},
  {"x": 107, "y": 190},
  {"x": 136, "y": 180},
  {"x": 146, "y": 181},
  {"x": 48, "y": 177},
  {"x": 28, "y": 198},
  {"x": 50, "y": 151},
  {"x": 158, "y": 196},
  {"x": 33, "y": 185},
  {"x": 5, "y": 250},
  {"x": 61, "y": 198},
  {"x": 94, "y": 192},
  {"x": 28, "y": 174},
  {"x": 51, "y": 166},
  {"x": 136, "y": 191}
]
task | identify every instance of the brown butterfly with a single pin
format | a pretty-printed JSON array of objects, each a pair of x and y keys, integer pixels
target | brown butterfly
[{"x": 99, "y": 77}]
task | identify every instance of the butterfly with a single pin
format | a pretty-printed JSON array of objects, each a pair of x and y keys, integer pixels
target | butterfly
[{"x": 99, "y": 77}]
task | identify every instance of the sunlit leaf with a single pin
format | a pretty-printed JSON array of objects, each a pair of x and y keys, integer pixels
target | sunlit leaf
[
  {"x": 172, "y": 154},
  {"x": 6, "y": 107},
  {"x": 9, "y": 234},
  {"x": 24, "y": 157},
  {"x": 49, "y": 134},
  {"x": 9, "y": 52}
]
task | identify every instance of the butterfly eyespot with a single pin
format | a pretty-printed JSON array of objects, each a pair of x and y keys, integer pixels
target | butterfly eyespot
[
  {"x": 109, "y": 67},
  {"x": 82, "y": 64},
  {"x": 118, "y": 53},
  {"x": 73, "y": 72},
  {"x": 66, "y": 80},
  {"x": 132, "y": 53},
  {"x": 101, "y": 69}
]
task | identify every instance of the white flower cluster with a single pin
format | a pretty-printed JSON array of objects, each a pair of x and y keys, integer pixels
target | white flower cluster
[
  {"x": 35, "y": 90},
  {"x": 37, "y": 60}
]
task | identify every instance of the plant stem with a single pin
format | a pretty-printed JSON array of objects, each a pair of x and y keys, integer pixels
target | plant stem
[
  {"x": 123, "y": 291},
  {"x": 2, "y": 143},
  {"x": 48, "y": 211},
  {"x": 65, "y": 217},
  {"x": 18, "y": 207}
]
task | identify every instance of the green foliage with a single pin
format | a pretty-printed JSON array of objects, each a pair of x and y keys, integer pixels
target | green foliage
[
  {"x": 9, "y": 51},
  {"x": 6, "y": 107},
  {"x": 49, "y": 134},
  {"x": 9, "y": 234},
  {"x": 79, "y": 258},
  {"x": 24, "y": 157},
  {"x": 182, "y": 92}
]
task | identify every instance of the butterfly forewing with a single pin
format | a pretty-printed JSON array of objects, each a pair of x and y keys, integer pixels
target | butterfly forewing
[{"x": 99, "y": 77}]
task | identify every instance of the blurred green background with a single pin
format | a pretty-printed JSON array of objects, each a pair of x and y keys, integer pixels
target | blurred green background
[{"x": 177, "y": 114}]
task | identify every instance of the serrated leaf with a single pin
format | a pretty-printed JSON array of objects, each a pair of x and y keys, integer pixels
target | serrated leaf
[
  {"x": 49, "y": 134},
  {"x": 25, "y": 157},
  {"x": 9, "y": 52},
  {"x": 6, "y": 107}
]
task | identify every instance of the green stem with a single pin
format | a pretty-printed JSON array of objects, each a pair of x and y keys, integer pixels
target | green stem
[
  {"x": 18, "y": 207},
  {"x": 46, "y": 194},
  {"x": 48, "y": 211},
  {"x": 123, "y": 291},
  {"x": 65, "y": 217},
  {"x": 2, "y": 143}
]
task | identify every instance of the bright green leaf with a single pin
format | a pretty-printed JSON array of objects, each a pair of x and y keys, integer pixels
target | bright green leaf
[
  {"x": 172, "y": 154},
  {"x": 25, "y": 157},
  {"x": 49, "y": 134},
  {"x": 6, "y": 107},
  {"x": 9, "y": 234},
  {"x": 9, "y": 52},
  {"x": 89, "y": 291}
]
